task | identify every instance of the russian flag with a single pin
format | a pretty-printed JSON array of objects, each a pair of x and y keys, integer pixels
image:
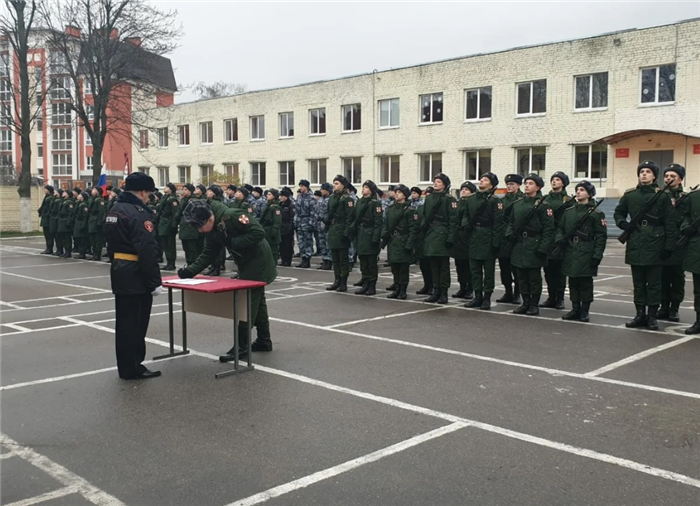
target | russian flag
[{"x": 102, "y": 183}]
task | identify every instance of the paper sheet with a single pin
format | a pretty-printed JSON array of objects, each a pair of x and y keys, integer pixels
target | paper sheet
[{"x": 190, "y": 282}]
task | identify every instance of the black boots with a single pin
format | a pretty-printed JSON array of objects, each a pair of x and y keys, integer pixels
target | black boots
[
  {"x": 476, "y": 301},
  {"x": 263, "y": 341},
  {"x": 171, "y": 267},
  {"x": 335, "y": 284},
  {"x": 343, "y": 286},
  {"x": 486, "y": 302},
  {"x": 359, "y": 282},
  {"x": 663, "y": 312},
  {"x": 464, "y": 292},
  {"x": 652, "y": 324},
  {"x": 695, "y": 328},
  {"x": 585, "y": 307},
  {"x": 555, "y": 300},
  {"x": 368, "y": 288},
  {"x": 402, "y": 292},
  {"x": 673, "y": 312},
  {"x": 640, "y": 319},
  {"x": 395, "y": 293},
  {"x": 522, "y": 309},
  {"x": 559, "y": 301},
  {"x": 575, "y": 312},
  {"x": 516, "y": 295},
  {"x": 442, "y": 295},
  {"x": 47, "y": 251},
  {"x": 507, "y": 297},
  {"x": 363, "y": 290},
  {"x": 326, "y": 265},
  {"x": 433, "y": 296},
  {"x": 305, "y": 263},
  {"x": 423, "y": 290},
  {"x": 392, "y": 287},
  {"x": 534, "y": 308},
  {"x": 243, "y": 339}
]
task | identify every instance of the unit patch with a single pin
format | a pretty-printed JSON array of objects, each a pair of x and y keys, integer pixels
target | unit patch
[
  {"x": 379, "y": 210},
  {"x": 454, "y": 205},
  {"x": 148, "y": 225},
  {"x": 244, "y": 219},
  {"x": 549, "y": 212}
]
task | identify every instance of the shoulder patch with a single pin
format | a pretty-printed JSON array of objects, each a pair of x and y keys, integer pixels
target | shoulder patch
[
  {"x": 350, "y": 203},
  {"x": 175, "y": 202},
  {"x": 379, "y": 209},
  {"x": 148, "y": 225},
  {"x": 415, "y": 217},
  {"x": 70, "y": 206},
  {"x": 278, "y": 212},
  {"x": 102, "y": 203},
  {"x": 454, "y": 205},
  {"x": 250, "y": 209},
  {"x": 603, "y": 222},
  {"x": 244, "y": 219},
  {"x": 500, "y": 206},
  {"x": 549, "y": 212}
]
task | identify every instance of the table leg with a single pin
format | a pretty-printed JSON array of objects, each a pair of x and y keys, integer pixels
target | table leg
[{"x": 171, "y": 329}]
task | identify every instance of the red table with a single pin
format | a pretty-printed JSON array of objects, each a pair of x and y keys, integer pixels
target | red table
[{"x": 218, "y": 297}]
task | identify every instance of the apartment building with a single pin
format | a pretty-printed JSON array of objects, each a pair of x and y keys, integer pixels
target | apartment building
[{"x": 592, "y": 108}]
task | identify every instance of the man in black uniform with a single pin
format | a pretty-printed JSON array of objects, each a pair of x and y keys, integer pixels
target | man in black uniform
[{"x": 135, "y": 274}]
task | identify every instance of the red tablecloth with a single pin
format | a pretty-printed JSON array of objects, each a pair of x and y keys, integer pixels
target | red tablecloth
[{"x": 219, "y": 284}]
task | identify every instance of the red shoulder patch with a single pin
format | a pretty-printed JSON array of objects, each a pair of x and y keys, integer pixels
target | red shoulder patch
[
  {"x": 454, "y": 205},
  {"x": 148, "y": 225},
  {"x": 102, "y": 203},
  {"x": 549, "y": 212},
  {"x": 244, "y": 219},
  {"x": 500, "y": 206},
  {"x": 349, "y": 203},
  {"x": 174, "y": 202},
  {"x": 379, "y": 210},
  {"x": 415, "y": 217},
  {"x": 603, "y": 222},
  {"x": 278, "y": 212}
]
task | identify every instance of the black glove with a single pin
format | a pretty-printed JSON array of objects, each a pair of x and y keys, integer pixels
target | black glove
[
  {"x": 688, "y": 232},
  {"x": 625, "y": 225},
  {"x": 562, "y": 243},
  {"x": 383, "y": 244},
  {"x": 449, "y": 244},
  {"x": 541, "y": 255},
  {"x": 595, "y": 262},
  {"x": 185, "y": 273},
  {"x": 666, "y": 254}
]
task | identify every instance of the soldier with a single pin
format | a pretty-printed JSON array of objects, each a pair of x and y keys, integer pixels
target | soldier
[
  {"x": 81, "y": 225},
  {"x": 303, "y": 222},
  {"x": 423, "y": 261},
  {"x": 651, "y": 241},
  {"x": 200, "y": 191},
  {"x": 690, "y": 241},
  {"x": 168, "y": 209},
  {"x": 368, "y": 228},
  {"x": 271, "y": 221},
  {"x": 187, "y": 233},
  {"x": 230, "y": 194},
  {"x": 530, "y": 230},
  {"x": 243, "y": 232},
  {"x": 438, "y": 230},
  {"x": 581, "y": 237},
  {"x": 460, "y": 251},
  {"x": 258, "y": 202},
  {"x": 389, "y": 198},
  {"x": 53, "y": 222},
  {"x": 559, "y": 201},
  {"x": 416, "y": 200},
  {"x": 287, "y": 228},
  {"x": 76, "y": 192},
  {"x": 65, "y": 224},
  {"x": 352, "y": 250},
  {"x": 97, "y": 214},
  {"x": 135, "y": 277},
  {"x": 317, "y": 251},
  {"x": 484, "y": 224},
  {"x": 673, "y": 275},
  {"x": 45, "y": 215},
  {"x": 508, "y": 277},
  {"x": 215, "y": 198},
  {"x": 241, "y": 200},
  {"x": 340, "y": 218},
  {"x": 320, "y": 224},
  {"x": 399, "y": 231}
]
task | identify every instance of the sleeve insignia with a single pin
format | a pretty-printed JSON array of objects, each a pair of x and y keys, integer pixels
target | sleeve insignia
[
  {"x": 244, "y": 219},
  {"x": 454, "y": 205},
  {"x": 415, "y": 217},
  {"x": 549, "y": 212},
  {"x": 148, "y": 225},
  {"x": 250, "y": 209},
  {"x": 278, "y": 212},
  {"x": 174, "y": 202},
  {"x": 379, "y": 210},
  {"x": 349, "y": 203},
  {"x": 102, "y": 203},
  {"x": 500, "y": 206},
  {"x": 86, "y": 209},
  {"x": 673, "y": 201},
  {"x": 70, "y": 206},
  {"x": 603, "y": 222}
]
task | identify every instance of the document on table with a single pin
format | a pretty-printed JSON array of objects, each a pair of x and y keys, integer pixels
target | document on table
[{"x": 190, "y": 282}]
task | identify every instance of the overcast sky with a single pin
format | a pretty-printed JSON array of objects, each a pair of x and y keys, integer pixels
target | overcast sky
[{"x": 270, "y": 44}]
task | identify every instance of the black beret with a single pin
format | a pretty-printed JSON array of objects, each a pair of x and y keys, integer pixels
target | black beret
[
  {"x": 138, "y": 181},
  {"x": 216, "y": 190},
  {"x": 648, "y": 164},
  {"x": 286, "y": 191},
  {"x": 248, "y": 187},
  {"x": 403, "y": 189},
  {"x": 429, "y": 190},
  {"x": 318, "y": 193},
  {"x": 110, "y": 188},
  {"x": 77, "y": 190},
  {"x": 536, "y": 179},
  {"x": 232, "y": 187},
  {"x": 371, "y": 185},
  {"x": 351, "y": 188},
  {"x": 470, "y": 185},
  {"x": 304, "y": 182},
  {"x": 588, "y": 186},
  {"x": 275, "y": 192},
  {"x": 50, "y": 188},
  {"x": 244, "y": 191},
  {"x": 341, "y": 179},
  {"x": 392, "y": 188},
  {"x": 492, "y": 177},
  {"x": 514, "y": 178},
  {"x": 258, "y": 189},
  {"x": 327, "y": 186},
  {"x": 172, "y": 187},
  {"x": 190, "y": 187},
  {"x": 85, "y": 195},
  {"x": 678, "y": 169},
  {"x": 157, "y": 193},
  {"x": 417, "y": 190},
  {"x": 443, "y": 177},
  {"x": 198, "y": 212},
  {"x": 202, "y": 188},
  {"x": 564, "y": 178},
  {"x": 380, "y": 193}
]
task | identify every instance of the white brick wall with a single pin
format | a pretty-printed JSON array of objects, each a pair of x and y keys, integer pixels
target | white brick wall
[{"x": 621, "y": 55}]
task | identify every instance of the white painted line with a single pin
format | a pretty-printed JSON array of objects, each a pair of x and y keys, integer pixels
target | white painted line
[
  {"x": 56, "y": 297},
  {"x": 48, "y": 496},
  {"x": 6, "y": 455},
  {"x": 61, "y": 474},
  {"x": 76, "y": 301},
  {"x": 16, "y": 327},
  {"x": 56, "y": 283},
  {"x": 639, "y": 356},
  {"x": 384, "y": 317},
  {"x": 29, "y": 331},
  {"x": 600, "y": 280},
  {"x": 347, "y": 466},
  {"x": 11, "y": 304},
  {"x": 30, "y": 266},
  {"x": 90, "y": 277}
]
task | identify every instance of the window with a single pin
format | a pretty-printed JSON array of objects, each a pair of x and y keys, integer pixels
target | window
[
  {"x": 476, "y": 163},
  {"x": 163, "y": 137},
  {"x": 231, "y": 130},
  {"x": 531, "y": 160},
  {"x": 40, "y": 150},
  {"x": 532, "y": 97},
  {"x": 62, "y": 139},
  {"x": 88, "y": 163},
  {"x": 352, "y": 118},
  {"x": 5, "y": 140},
  {"x": 231, "y": 170},
  {"x": 183, "y": 174},
  {"x": 5, "y": 90},
  {"x": 592, "y": 91},
  {"x": 352, "y": 169},
  {"x": 88, "y": 139},
  {"x": 87, "y": 87},
  {"x": 430, "y": 166},
  {"x": 62, "y": 164},
  {"x": 478, "y": 103},
  {"x": 206, "y": 132},
  {"x": 658, "y": 84},
  {"x": 318, "y": 121},
  {"x": 145, "y": 170},
  {"x": 206, "y": 171},
  {"x": 389, "y": 115},
  {"x": 60, "y": 114},
  {"x": 184, "y": 135},
  {"x": 162, "y": 176},
  {"x": 257, "y": 173},
  {"x": 431, "y": 108},
  {"x": 58, "y": 63},
  {"x": 90, "y": 112},
  {"x": 591, "y": 161},
  {"x": 389, "y": 168},
  {"x": 4, "y": 64},
  {"x": 60, "y": 88},
  {"x": 257, "y": 128},
  {"x": 143, "y": 139},
  {"x": 287, "y": 174},
  {"x": 317, "y": 171},
  {"x": 286, "y": 125}
]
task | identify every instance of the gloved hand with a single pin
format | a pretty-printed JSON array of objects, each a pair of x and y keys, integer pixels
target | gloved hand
[
  {"x": 157, "y": 291},
  {"x": 449, "y": 244},
  {"x": 688, "y": 232},
  {"x": 595, "y": 262},
  {"x": 562, "y": 243},
  {"x": 625, "y": 225},
  {"x": 383, "y": 244},
  {"x": 185, "y": 273},
  {"x": 666, "y": 254}
]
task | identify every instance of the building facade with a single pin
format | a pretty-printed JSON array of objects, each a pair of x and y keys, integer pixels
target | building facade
[{"x": 592, "y": 108}]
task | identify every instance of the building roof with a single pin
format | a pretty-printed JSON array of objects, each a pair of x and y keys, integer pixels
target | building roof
[{"x": 146, "y": 67}]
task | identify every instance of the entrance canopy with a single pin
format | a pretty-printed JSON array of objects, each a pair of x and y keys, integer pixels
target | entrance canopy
[{"x": 629, "y": 134}]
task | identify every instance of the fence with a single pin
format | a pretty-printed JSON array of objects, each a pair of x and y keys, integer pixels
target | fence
[{"x": 9, "y": 208}]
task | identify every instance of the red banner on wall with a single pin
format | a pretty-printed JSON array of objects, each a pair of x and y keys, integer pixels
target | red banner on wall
[
  {"x": 696, "y": 149},
  {"x": 622, "y": 153}
]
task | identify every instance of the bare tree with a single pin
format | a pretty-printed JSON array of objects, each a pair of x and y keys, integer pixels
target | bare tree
[
  {"x": 218, "y": 89},
  {"x": 16, "y": 27},
  {"x": 114, "y": 49}
]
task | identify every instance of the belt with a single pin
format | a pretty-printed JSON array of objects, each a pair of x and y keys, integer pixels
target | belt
[
  {"x": 126, "y": 256},
  {"x": 482, "y": 225}
]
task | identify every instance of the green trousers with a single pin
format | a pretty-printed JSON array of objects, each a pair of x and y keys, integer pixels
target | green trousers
[
  {"x": 169, "y": 248},
  {"x": 341, "y": 266},
  {"x": 696, "y": 294},
  {"x": 275, "y": 248},
  {"x": 259, "y": 318},
  {"x": 530, "y": 281},
  {"x": 554, "y": 277},
  {"x": 483, "y": 274},
  {"x": 49, "y": 238},
  {"x": 440, "y": 270},
  {"x": 400, "y": 273},
  {"x": 581, "y": 289},
  {"x": 96, "y": 243},
  {"x": 189, "y": 246},
  {"x": 369, "y": 267},
  {"x": 672, "y": 284},
  {"x": 646, "y": 280}
]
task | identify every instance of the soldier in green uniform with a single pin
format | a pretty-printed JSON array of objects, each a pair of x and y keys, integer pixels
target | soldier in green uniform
[
  {"x": 460, "y": 251},
  {"x": 188, "y": 234},
  {"x": 672, "y": 274},
  {"x": 531, "y": 230},
  {"x": 45, "y": 216},
  {"x": 65, "y": 224},
  {"x": 53, "y": 221},
  {"x": 241, "y": 200},
  {"x": 200, "y": 192},
  {"x": 423, "y": 261},
  {"x": 399, "y": 232},
  {"x": 484, "y": 224},
  {"x": 368, "y": 228},
  {"x": 690, "y": 234},
  {"x": 81, "y": 225},
  {"x": 168, "y": 209},
  {"x": 96, "y": 218},
  {"x": 252, "y": 254},
  {"x": 341, "y": 214},
  {"x": 508, "y": 277},
  {"x": 439, "y": 229},
  {"x": 559, "y": 201},
  {"x": 215, "y": 198},
  {"x": 651, "y": 242},
  {"x": 581, "y": 237},
  {"x": 271, "y": 220}
]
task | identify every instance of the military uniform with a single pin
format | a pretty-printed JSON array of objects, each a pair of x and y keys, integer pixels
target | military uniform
[
  {"x": 189, "y": 236},
  {"x": 287, "y": 229},
  {"x": 399, "y": 233},
  {"x": 672, "y": 273},
  {"x": 690, "y": 230},
  {"x": 460, "y": 252},
  {"x": 97, "y": 214},
  {"x": 303, "y": 222},
  {"x": 81, "y": 227},
  {"x": 423, "y": 261},
  {"x": 65, "y": 226},
  {"x": 53, "y": 222},
  {"x": 168, "y": 209},
  {"x": 320, "y": 215},
  {"x": 341, "y": 213},
  {"x": 508, "y": 278},
  {"x": 368, "y": 227},
  {"x": 45, "y": 223},
  {"x": 554, "y": 270},
  {"x": 439, "y": 228},
  {"x": 271, "y": 221}
]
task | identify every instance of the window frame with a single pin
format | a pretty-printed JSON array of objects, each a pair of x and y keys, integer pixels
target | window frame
[
  {"x": 588, "y": 177},
  {"x": 183, "y": 129},
  {"x": 343, "y": 115},
  {"x": 205, "y": 170},
  {"x": 433, "y": 173},
  {"x": 163, "y": 138},
  {"x": 68, "y": 165},
  {"x": 478, "y": 119},
  {"x": 288, "y": 179},
  {"x": 187, "y": 176},
  {"x": 420, "y": 108},
  {"x": 5, "y": 89},
  {"x": 321, "y": 116},
  {"x": 61, "y": 114},
  {"x": 143, "y": 140},
  {"x": 352, "y": 159},
  {"x": 656, "y": 102},
  {"x": 479, "y": 171},
  {"x": 66, "y": 141},
  {"x": 316, "y": 177},
  {"x": 206, "y": 133},
  {"x": 6, "y": 140},
  {"x": 163, "y": 175},
  {"x": 255, "y": 124},
  {"x": 590, "y": 107},
  {"x": 530, "y": 171},
  {"x": 379, "y": 111},
  {"x": 532, "y": 98},
  {"x": 235, "y": 169},
  {"x": 284, "y": 121},
  {"x": 260, "y": 178},
  {"x": 381, "y": 168},
  {"x": 233, "y": 130}
]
